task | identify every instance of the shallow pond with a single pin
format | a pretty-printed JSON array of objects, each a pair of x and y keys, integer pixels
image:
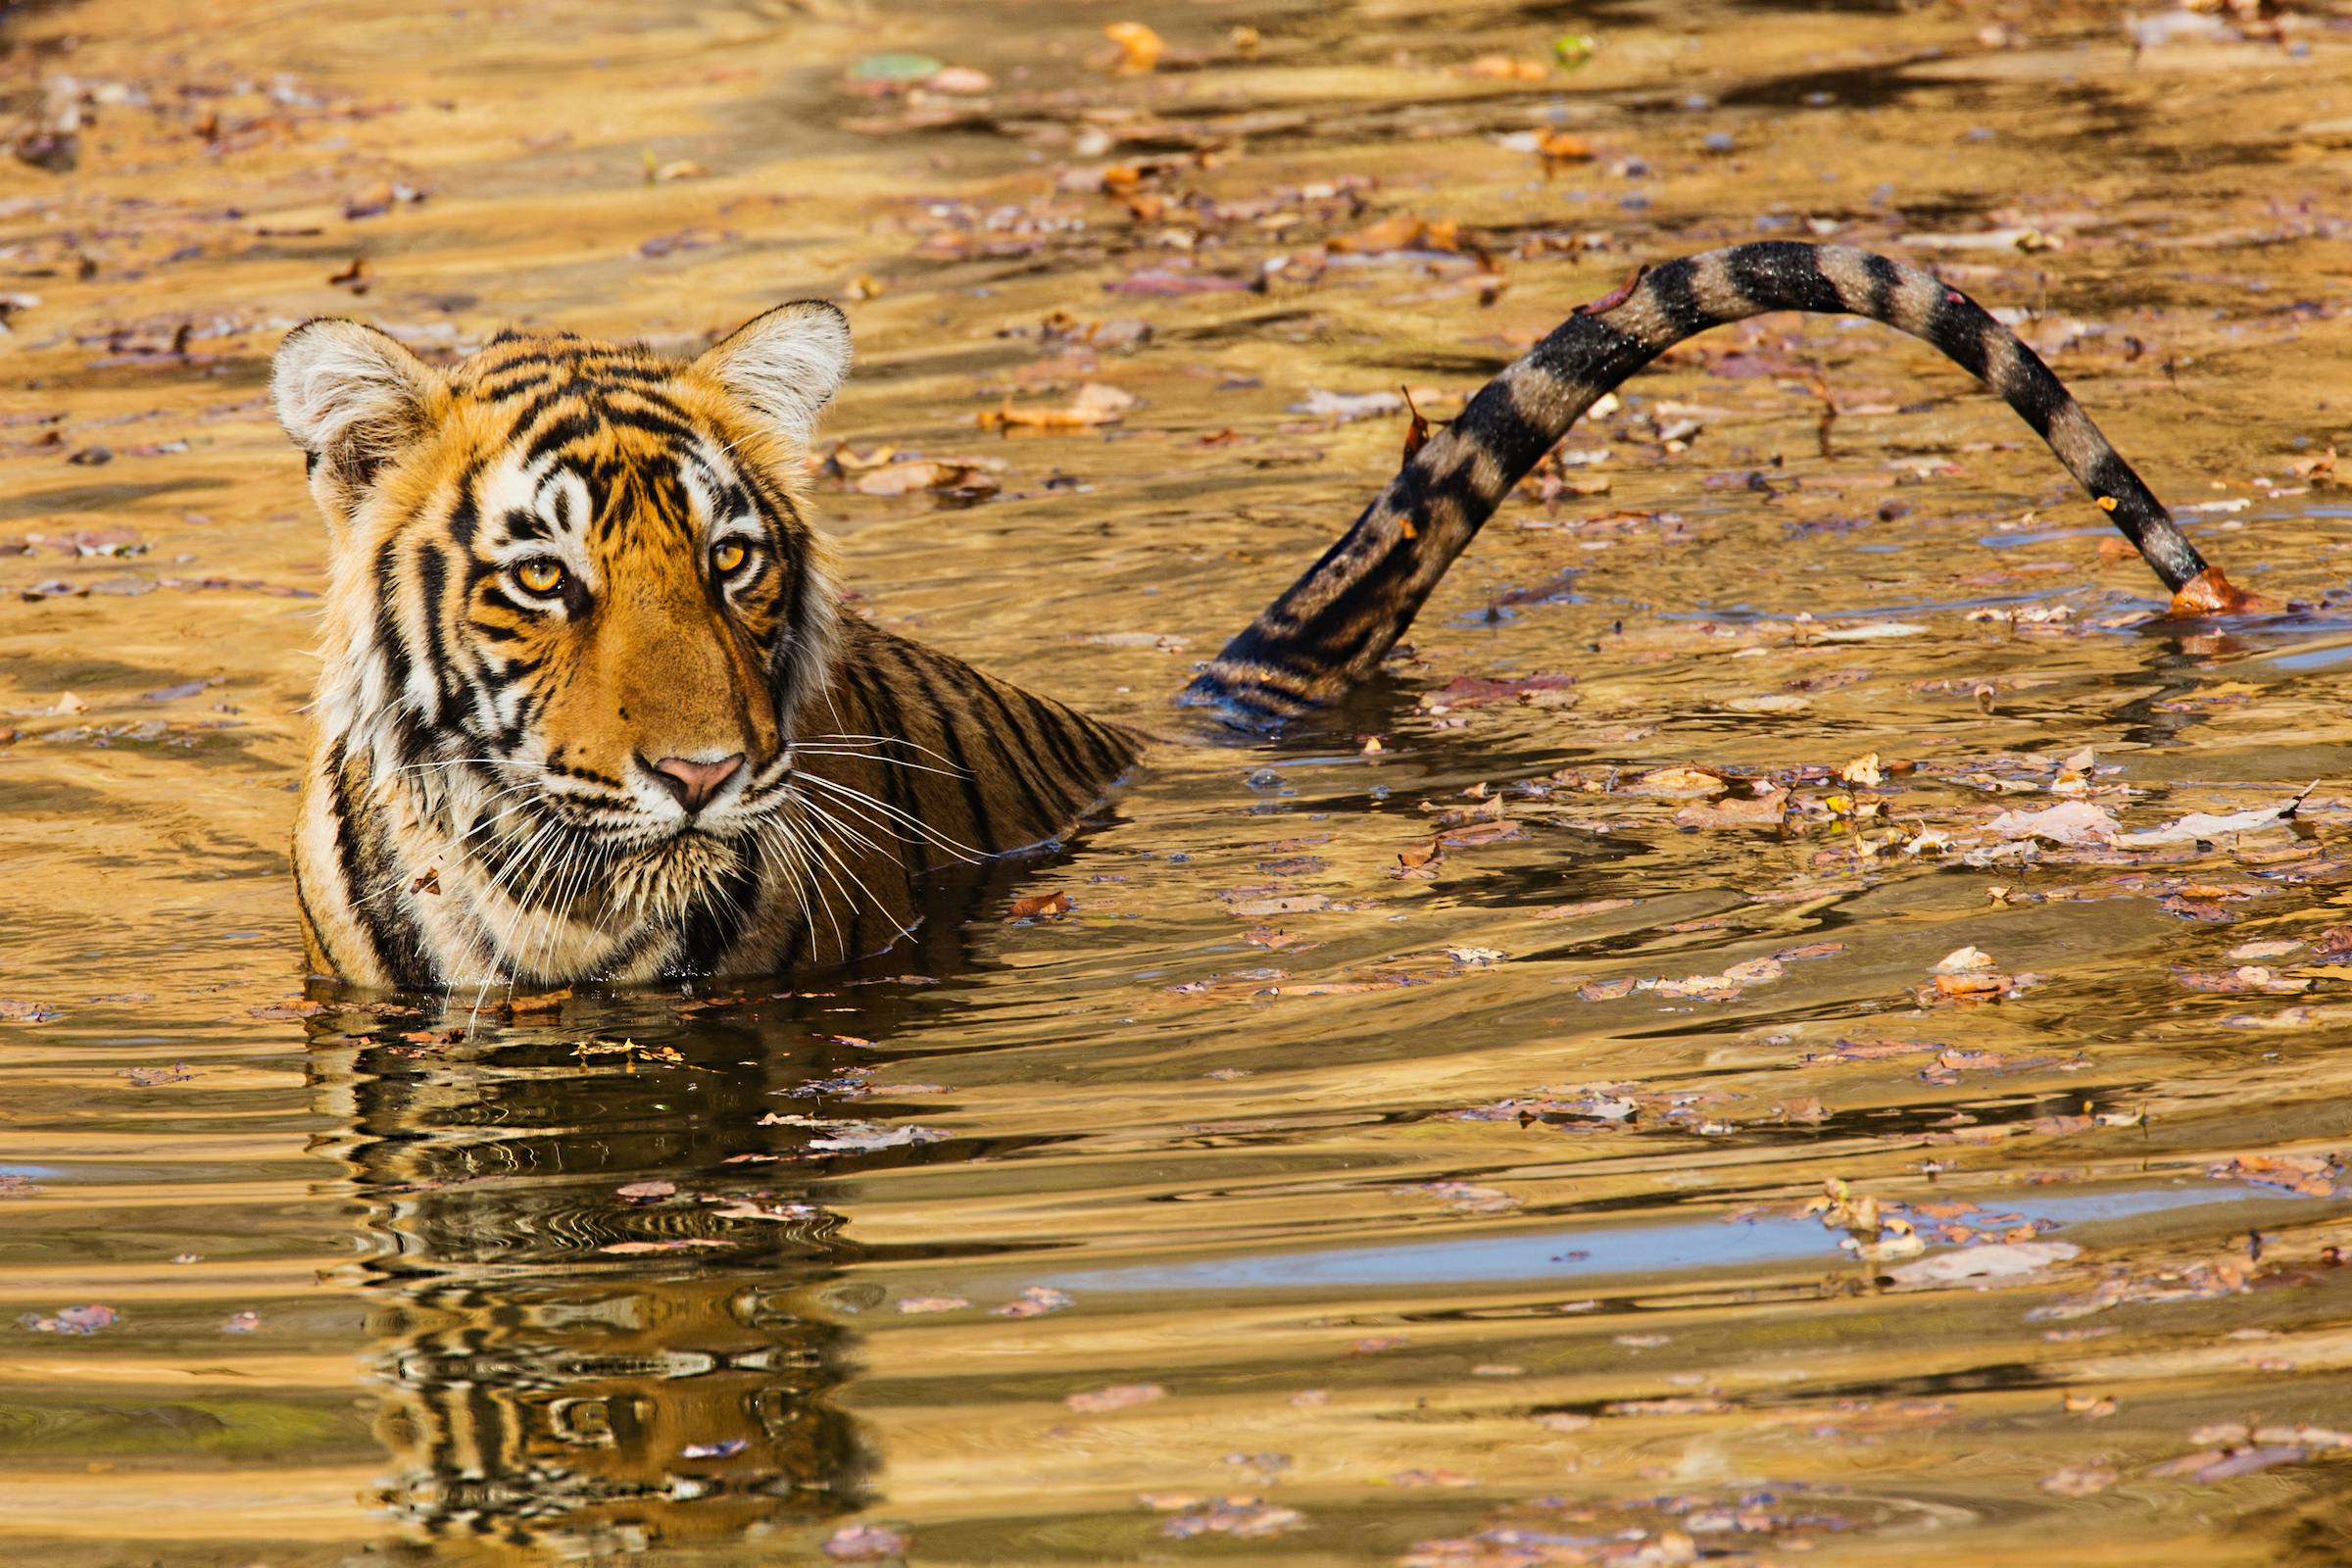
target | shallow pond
[{"x": 1465, "y": 1132}]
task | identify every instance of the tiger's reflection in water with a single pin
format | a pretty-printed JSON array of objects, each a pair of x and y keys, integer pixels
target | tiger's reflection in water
[
  {"x": 569, "y": 1373},
  {"x": 606, "y": 1419}
]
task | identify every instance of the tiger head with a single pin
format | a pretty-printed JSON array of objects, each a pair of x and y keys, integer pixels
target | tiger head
[{"x": 575, "y": 608}]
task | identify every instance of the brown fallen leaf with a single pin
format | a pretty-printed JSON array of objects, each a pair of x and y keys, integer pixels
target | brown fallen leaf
[
  {"x": 1116, "y": 1397},
  {"x": 2223, "y": 1465},
  {"x": 1294, "y": 903},
  {"x": 2333, "y": 943},
  {"x": 1669, "y": 1407},
  {"x": 865, "y": 1543},
  {"x": 2312, "y": 1175},
  {"x": 1139, "y": 48},
  {"x": 1479, "y": 833},
  {"x": 1431, "y": 1478},
  {"x": 846, "y": 459},
  {"x": 645, "y": 1191},
  {"x": 1767, "y": 812},
  {"x": 1095, "y": 404},
  {"x": 1863, "y": 769},
  {"x": 1677, "y": 781},
  {"x": 2247, "y": 977},
  {"x": 1475, "y": 691},
  {"x": 1570, "y": 911},
  {"x": 1395, "y": 232},
  {"x": 2061, "y": 1126},
  {"x": 1035, "y": 1300},
  {"x": 633, "y": 1249},
  {"x": 356, "y": 276},
  {"x": 904, "y": 478},
  {"x": 1046, "y": 905},
  {"x": 2194, "y": 910},
  {"x": 545, "y": 1002},
  {"x": 1560, "y": 147}
]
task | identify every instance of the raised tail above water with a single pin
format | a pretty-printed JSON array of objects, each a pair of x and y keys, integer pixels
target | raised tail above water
[{"x": 1330, "y": 628}]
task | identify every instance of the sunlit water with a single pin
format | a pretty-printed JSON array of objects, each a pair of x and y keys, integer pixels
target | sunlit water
[{"x": 1351, "y": 1203}]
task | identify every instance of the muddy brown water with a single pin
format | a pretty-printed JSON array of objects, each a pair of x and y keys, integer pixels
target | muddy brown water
[{"x": 1339, "y": 1180}]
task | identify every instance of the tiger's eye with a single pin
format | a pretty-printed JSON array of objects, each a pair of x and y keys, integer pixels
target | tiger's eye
[
  {"x": 728, "y": 556},
  {"x": 541, "y": 574}
]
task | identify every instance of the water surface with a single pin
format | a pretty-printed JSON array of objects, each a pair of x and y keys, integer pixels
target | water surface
[{"x": 1352, "y": 1204}]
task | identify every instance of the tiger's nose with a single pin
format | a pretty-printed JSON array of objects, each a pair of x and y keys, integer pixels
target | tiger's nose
[{"x": 693, "y": 783}]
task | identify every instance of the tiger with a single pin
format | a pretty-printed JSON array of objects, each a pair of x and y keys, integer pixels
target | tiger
[{"x": 590, "y": 709}]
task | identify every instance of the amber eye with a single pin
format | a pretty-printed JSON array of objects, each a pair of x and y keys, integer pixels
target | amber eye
[
  {"x": 728, "y": 554},
  {"x": 541, "y": 574}
]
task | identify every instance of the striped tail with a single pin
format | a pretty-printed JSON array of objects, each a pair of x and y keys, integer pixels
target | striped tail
[{"x": 1333, "y": 626}]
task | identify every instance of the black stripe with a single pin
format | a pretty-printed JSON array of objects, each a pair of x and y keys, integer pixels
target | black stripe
[
  {"x": 357, "y": 873},
  {"x": 465, "y": 514},
  {"x": 983, "y": 823},
  {"x": 432, "y": 572}
]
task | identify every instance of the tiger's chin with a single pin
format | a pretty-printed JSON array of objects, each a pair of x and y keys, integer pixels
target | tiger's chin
[
  {"x": 661, "y": 884},
  {"x": 635, "y": 922}
]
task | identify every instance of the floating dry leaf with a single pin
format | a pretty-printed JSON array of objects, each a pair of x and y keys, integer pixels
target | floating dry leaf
[
  {"x": 2068, "y": 822},
  {"x": 865, "y": 1138},
  {"x": 2224, "y": 1464},
  {"x": 645, "y": 1191},
  {"x": 1139, "y": 48},
  {"x": 675, "y": 1245},
  {"x": 865, "y": 1543},
  {"x": 1035, "y": 1300},
  {"x": 2203, "y": 825},
  {"x": 1467, "y": 1198},
  {"x": 1676, "y": 1406},
  {"x": 1571, "y": 911},
  {"x": 2080, "y": 1481},
  {"x": 1116, "y": 1397},
  {"x": 1766, "y": 810},
  {"x": 72, "y": 1320},
  {"x": 1998, "y": 1260}
]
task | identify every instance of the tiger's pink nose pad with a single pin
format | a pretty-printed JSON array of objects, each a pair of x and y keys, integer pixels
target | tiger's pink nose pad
[{"x": 693, "y": 783}]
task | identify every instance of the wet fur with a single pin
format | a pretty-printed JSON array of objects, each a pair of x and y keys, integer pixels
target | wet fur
[{"x": 476, "y": 807}]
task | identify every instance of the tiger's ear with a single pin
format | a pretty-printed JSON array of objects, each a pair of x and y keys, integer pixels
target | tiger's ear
[
  {"x": 786, "y": 364},
  {"x": 352, "y": 398}
]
